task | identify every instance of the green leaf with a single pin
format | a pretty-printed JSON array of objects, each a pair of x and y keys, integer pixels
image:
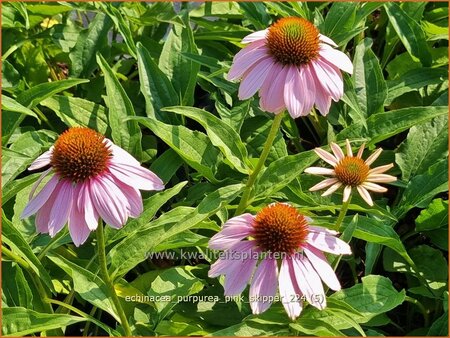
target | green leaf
[
  {"x": 14, "y": 239},
  {"x": 316, "y": 327},
  {"x": 127, "y": 134},
  {"x": 434, "y": 217},
  {"x": 11, "y": 105},
  {"x": 133, "y": 250},
  {"x": 15, "y": 288},
  {"x": 75, "y": 111},
  {"x": 90, "y": 287},
  {"x": 256, "y": 12},
  {"x": 439, "y": 327},
  {"x": 368, "y": 78},
  {"x": 422, "y": 188},
  {"x": 18, "y": 321},
  {"x": 221, "y": 135},
  {"x": 33, "y": 96},
  {"x": 339, "y": 23},
  {"x": 413, "y": 80},
  {"x": 166, "y": 165},
  {"x": 193, "y": 146},
  {"x": 90, "y": 41},
  {"x": 375, "y": 295},
  {"x": 384, "y": 125},
  {"x": 424, "y": 146},
  {"x": 12, "y": 189},
  {"x": 410, "y": 33},
  {"x": 181, "y": 72},
  {"x": 155, "y": 85},
  {"x": 281, "y": 172}
]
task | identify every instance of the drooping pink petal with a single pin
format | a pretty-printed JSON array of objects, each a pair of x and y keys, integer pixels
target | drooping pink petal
[
  {"x": 310, "y": 283},
  {"x": 43, "y": 215},
  {"x": 229, "y": 258},
  {"x": 37, "y": 202},
  {"x": 381, "y": 178},
  {"x": 325, "y": 183},
  {"x": 326, "y": 156},
  {"x": 322, "y": 267},
  {"x": 264, "y": 286},
  {"x": 247, "y": 58},
  {"x": 78, "y": 229},
  {"x": 365, "y": 195},
  {"x": 336, "y": 58},
  {"x": 259, "y": 35},
  {"x": 272, "y": 93},
  {"x": 319, "y": 171},
  {"x": 332, "y": 189},
  {"x": 133, "y": 197},
  {"x": 327, "y": 243},
  {"x": 136, "y": 176},
  {"x": 360, "y": 151},
  {"x": 373, "y": 187},
  {"x": 329, "y": 78},
  {"x": 347, "y": 193},
  {"x": 349, "y": 148},
  {"x": 237, "y": 278},
  {"x": 322, "y": 230},
  {"x": 381, "y": 169},
  {"x": 36, "y": 184},
  {"x": 293, "y": 89},
  {"x": 372, "y": 158},
  {"x": 61, "y": 207},
  {"x": 85, "y": 203},
  {"x": 308, "y": 89},
  {"x": 42, "y": 160},
  {"x": 233, "y": 231},
  {"x": 289, "y": 291},
  {"x": 119, "y": 155},
  {"x": 254, "y": 78},
  {"x": 326, "y": 39},
  {"x": 337, "y": 151}
]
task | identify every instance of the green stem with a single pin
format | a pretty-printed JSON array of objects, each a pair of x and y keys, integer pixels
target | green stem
[
  {"x": 107, "y": 279},
  {"x": 251, "y": 179},
  {"x": 421, "y": 308},
  {"x": 342, "y": 214},
  {"x": 50, "y": 244}
]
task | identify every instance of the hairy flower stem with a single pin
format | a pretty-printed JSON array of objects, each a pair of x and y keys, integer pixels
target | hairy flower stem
[
  {"x": 342, "y": 214},
  {"x": 107, "y": 279},
  {"x": 251, "y": 179}
]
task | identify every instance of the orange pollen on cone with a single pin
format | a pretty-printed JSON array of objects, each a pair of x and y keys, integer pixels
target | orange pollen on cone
[
  {"x": 351, "y": 171},
  {"x": 79, "y": 154},
  {"x": 293, "y": 41},
  {"x": 280, "y": 228}
]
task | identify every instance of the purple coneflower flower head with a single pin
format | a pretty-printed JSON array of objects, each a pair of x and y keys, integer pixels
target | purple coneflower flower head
[
  {"x": 255, "y": 246},
  {"x": 351, "y": 172},
  {"x": 92, "y": 178},
  {"x": 292, "y": 66}
]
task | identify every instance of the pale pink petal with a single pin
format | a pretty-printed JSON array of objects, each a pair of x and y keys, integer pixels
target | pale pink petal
[
  {"x": 85, "y": 203},
  {"x": 292, "y": 92},
  {"x": 349, "y": 148},
  {"x": 307, "y": 89},
  {"x": 374, "y": 156},
  {"x": 365, "y": 195},
  {"x": 326, "y": 39},
  {"x": 37, "y": 202},
  {"x": 381, "y": 178},
  {"x": 272, "y": 99},
  {"x": 289, "y": 291},
  {"x": 332, "y": 189},
  {"x": 328, "y": 243},
  {"x": 322, "y": 230},
  {"x": 78, "y": 229},
  {"x": 347, "y": 193},
  {"x": 374, "y": 187},
  {"x": 259, "y": 35},
  {"x": 134, "y": 198},
  {"x": 310, "y": 283},
  {"x": 233, "y": 231},
  {"x": 254, "y": 78},
  {"x": 361, "y": 150},
  {"x": 322, "y": 267},
  {"x": 35, "y": 185},
  {"x": 337, "y": 151},
  {"x": 264, "y": 286},
  {"x": 42, "y": 160},
  {"x": 237, "y": 278},
  {"x": 329, "y": 78},
  {"x": 326, "y": 156},
  {"x": 229, "y": 258},
  {"x": 136, "y": 176},
  {"x": 246, "y": 58},
  {"x": 119, "y": 155},
  {"x": 109, "y": 204},
  {"x": 61, "y": 207},
  {"x": 336, "y": 58},
  {"x": 381, "y": 169},
  {"x": 322, "y": 97},
  {"x": 325, "y": 183},
  {"x": 319, "y": 171},
  {"x": 43, "y": 215}
]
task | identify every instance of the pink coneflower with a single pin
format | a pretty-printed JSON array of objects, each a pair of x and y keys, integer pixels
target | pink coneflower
[
  {"x": 92, "y": 178},
  {"x": 292, "y": 66},
  {"x": 277, "y": 233},
  {"x": 351, "y": 172}
]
